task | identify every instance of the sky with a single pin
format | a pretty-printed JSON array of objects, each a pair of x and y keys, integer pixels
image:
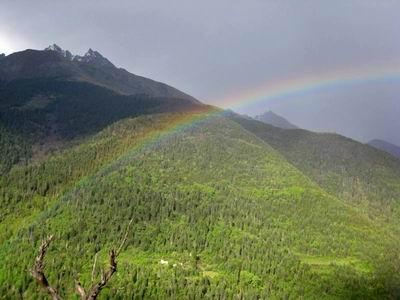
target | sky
[{"x": 216, "y": 50}]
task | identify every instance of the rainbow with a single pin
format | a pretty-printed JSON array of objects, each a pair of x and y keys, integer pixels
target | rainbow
[
  {"x": 282, "y": 88},
  {"x": 267, "y": 91},
  {"x": 312, "y": 82}
]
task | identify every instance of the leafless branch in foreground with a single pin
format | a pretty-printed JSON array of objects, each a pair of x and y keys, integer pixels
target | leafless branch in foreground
[
  {"x": 106, "y": 276},
  {"x": 94, "y": 266},
  {"x": 125, "y": 237},
  {"x": 38, "y": 269},
  {"x": 80, "y": 290}
]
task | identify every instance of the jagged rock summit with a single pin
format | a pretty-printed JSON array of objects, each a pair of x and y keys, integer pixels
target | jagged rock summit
[
  {"x": 94, "y": 57},
  {"x": 65, "y": 53},
  {"x": 91, "y": 56}
]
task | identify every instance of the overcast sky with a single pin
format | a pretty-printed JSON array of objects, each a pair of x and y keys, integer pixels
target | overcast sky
[{"x": 214, "y": 48}]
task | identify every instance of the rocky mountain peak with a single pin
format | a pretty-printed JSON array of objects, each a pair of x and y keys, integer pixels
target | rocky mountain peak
[
  {"x": 91, "y": 53},
  {"x": 90, "y": 57},
  {"x": 58, "y": 49},
  {"x": 54, "y": 47},
  {"x": 94, "y": 57}
]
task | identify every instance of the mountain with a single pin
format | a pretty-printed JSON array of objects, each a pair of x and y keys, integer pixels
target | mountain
[
  {"x": 219, "y": 206},
  {"x": 55, "y": 63},
  {"x": 50, "y": 97},
  {"x": 272, "y": 118},
  {"x": 386, "y": 146}
]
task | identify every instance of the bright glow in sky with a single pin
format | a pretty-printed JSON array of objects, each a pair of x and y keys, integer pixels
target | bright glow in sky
[{"x": 6, "y": 45}]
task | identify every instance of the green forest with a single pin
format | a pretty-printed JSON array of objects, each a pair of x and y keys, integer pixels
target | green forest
[{"x": 217, "y": 213}]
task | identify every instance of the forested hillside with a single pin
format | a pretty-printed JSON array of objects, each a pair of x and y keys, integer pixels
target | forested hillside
[
  {"x": 357, "y": 173},
  {"x": 216, "y": 213}
]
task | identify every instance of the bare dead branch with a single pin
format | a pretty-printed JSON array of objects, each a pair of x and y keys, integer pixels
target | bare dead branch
[
  {"x": 80, "y": 290},
  {"x": 125, "y": 238},
  {"x": 94, "y": 266},
  {"x": 38, "y": 269},
  {"x": 106, "y": 276}
]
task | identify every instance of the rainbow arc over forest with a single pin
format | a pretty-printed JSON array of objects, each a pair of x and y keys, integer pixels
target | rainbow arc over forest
[
  {"x": 294, "y": 86},
  {"x": 284, "y": 89},
  {"x": 276, "y": 89}
]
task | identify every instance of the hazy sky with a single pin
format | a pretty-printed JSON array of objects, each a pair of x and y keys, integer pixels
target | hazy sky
[{"x": 214, "y": 48}]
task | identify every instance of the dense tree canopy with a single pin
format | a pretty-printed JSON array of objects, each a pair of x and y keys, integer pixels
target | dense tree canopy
[{"x": 216, "y": 212}]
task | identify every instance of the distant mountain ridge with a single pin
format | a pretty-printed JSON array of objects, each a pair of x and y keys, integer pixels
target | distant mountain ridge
[
  {"x": 273, "y": 119},
  {"x": 386, "y": 146},
  {"x": 55, "y": 63}
]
